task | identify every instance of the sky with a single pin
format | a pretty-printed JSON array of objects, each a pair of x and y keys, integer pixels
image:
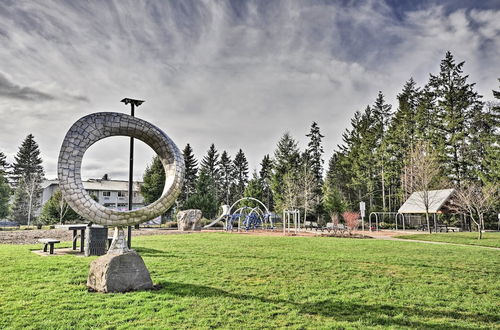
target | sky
[{"x": 235, "y": 73}]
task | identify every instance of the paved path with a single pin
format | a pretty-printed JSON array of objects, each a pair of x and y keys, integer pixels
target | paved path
[{"x": 389, "y": 238}]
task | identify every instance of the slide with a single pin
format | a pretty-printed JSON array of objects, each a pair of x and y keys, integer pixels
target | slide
[{"x": 225, "y": 212}]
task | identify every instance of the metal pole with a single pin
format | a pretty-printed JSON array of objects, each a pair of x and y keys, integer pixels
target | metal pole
[
  {"x": 130, "y": 178},
  {"x": 133, "y": 103}
]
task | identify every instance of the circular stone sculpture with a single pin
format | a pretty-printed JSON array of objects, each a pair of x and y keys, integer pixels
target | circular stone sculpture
[
  {"x": 97, "y": 126},
  {"x": 121, "y": 269}
]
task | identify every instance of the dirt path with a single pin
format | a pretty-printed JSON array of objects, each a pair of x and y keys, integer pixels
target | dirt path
[{"x": 32, "y": 236}]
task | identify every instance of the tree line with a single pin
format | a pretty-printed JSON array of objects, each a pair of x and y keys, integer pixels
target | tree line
[{"x": 376, "y": 161}]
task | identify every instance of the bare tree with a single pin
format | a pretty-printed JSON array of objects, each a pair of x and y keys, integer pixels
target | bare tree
[
  {"x": 475, "y": 201},
  {"x": 31, "y": 185},
  {"x": 291, "y": 191},
  {"x": 306, "y": 193},
  {"x": 420, "y": 177}
]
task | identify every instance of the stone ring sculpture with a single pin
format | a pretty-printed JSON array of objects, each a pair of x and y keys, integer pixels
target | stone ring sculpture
[
  {"x": 97, "y": 126},
  {"x": 121, "y": 269}
]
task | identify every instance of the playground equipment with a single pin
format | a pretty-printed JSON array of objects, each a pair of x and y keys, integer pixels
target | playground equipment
[
  {"x": 225, "y": 213},
  {"x": 291, "y": 216},
  {"x": 245, "y": 217}
]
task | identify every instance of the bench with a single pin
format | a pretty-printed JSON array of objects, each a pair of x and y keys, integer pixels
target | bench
[
  {"x": 312, "y": 225},
  {"x": 339, "y": 228},
  {"x": 48, "y": 242}
]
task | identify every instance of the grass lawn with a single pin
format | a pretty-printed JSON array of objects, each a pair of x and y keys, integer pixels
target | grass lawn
[
  {"x": 489, "y": 239},
  {"x": 238, "y": 281}
]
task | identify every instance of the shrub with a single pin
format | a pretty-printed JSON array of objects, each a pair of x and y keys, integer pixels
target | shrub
[{"x": 351, "y": 220}]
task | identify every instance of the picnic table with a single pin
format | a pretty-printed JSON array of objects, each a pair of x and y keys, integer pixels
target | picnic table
[{"x": 75, "y": 230}]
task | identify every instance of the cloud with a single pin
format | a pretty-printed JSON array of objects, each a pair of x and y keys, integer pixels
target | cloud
[
  {"x": 236, "y": 73},
  {"x": 12, "y": 91}
]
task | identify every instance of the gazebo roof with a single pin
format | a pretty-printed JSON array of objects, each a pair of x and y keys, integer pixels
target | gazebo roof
[{"x": 437, "y": 200}]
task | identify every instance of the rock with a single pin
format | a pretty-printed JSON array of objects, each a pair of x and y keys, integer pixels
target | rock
[
  {"x": 189, "y": 220},
  {"x": 119, "y": 273}
]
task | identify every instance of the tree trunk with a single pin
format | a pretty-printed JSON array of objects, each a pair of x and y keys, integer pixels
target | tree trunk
[
  {"x": 383, "y": 189},
  {"x": 481, "y": 226},
  {"x": 428, "y": 222}
]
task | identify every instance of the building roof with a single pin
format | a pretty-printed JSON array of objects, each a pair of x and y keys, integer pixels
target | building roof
[
  {"x": 98, "y": 184},
  {"x": 437, "y": 199}
]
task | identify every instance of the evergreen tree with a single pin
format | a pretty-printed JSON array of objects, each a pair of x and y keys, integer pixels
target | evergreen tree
[
  {"x": 401, "y": 138},
  {"x": 27, "y": 175},
  {"x": 4, "y": 196},
  {"x": 455, "y": 100},
  {"x": 210, "y": 164},
  {"x": 333, "y": 201},
  {"x": 240, "y": 168},
  {"x": 191, "y": 165},
  {"x": 265, "y": 175},
  {"x": 286, "y": 161},
  {"x": 27, "y": 161},
  {"x": 56, "y": 210},
  {"x": 253, "y": 189},
  {"x": 3, "y": 163},
  {"x": 490, "y": 165},
  {"x": 382, "y": 114},
  {"x": 204, "y": 196},
  {"x": 226, "y": 177},
  {"x": 314, "y": 161},
  {"x": 153, "y": 181}
]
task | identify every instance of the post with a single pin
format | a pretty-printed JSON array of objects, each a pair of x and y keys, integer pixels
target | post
[
  {"x": 133, "y": 104},
  {"x": 362, "y": 209}
]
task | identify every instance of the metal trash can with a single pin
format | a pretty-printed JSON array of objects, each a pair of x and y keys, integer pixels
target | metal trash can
[{"x": 96, "y": 241}]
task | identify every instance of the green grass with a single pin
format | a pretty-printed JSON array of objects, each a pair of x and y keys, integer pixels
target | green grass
[
  {"x": 237, "y": 281},
  {"x": 489, "y": 238}
]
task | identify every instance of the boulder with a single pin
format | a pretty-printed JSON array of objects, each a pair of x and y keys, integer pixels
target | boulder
[
  {"x": 119, "y": 273},
  {"x": 189, "y": 220}
]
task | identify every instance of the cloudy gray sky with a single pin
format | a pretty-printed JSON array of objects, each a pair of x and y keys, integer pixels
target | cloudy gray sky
[{"x": 235, "y": 73}]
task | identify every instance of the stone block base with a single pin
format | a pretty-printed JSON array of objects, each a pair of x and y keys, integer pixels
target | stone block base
[{"x": 119, "y": 273}]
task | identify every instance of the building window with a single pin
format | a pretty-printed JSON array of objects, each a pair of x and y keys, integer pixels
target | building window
[
  {"x": 106, "y": 193},
  {"x": 122, "y": 194}
]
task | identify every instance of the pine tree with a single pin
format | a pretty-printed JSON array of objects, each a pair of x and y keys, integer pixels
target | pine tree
[
  {"x": 56, "y": 210},
  {"x": 191, "y": 165},
  {"x": 210, "y": 164},
  {"x": 286, "y": 161},
  {"x": 314, "y": 160},
  {"x": 153, "y": 181},
  {"x": 27, "y": 160},
  {"x": 240, "y": 168},
  {"x": 456, "y": 99},
  {"x": 265, "y": 175},
  {"x": 333, "y": 201},
  {"x": 4, "y": 196},
  {"x": 3, "y": 163},
  {"x": 226, "y": 177},
  {"x": 204, "y": 196},
  {"x": 490, "y": 139},
  {"x": 382, "y": 115},
  {"x": 27, "y": 175},
  {"x": 399, "y": 140},
  {"x": 253, "y": 189}
]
